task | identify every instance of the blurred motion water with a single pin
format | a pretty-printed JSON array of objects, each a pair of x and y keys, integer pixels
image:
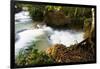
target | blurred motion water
[{"x": 23, "y": 22}]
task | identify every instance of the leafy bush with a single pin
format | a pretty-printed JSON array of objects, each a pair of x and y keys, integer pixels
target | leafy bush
[
  {"x": 36, "y": 12},
  {"x": 36, "y": 15},
  {"x": 32, "y": 56}
]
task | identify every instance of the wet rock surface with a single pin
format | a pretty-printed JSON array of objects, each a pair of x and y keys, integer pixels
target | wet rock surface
[
  {"x": 56, "y": 18},
  {"x": 74, "y": 53}
]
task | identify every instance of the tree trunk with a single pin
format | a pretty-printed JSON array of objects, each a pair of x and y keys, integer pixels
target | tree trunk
[{"x": 75, "y": 12}]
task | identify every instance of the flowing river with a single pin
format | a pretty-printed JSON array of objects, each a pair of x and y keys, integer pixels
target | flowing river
[{"x": 45, "y": 36}]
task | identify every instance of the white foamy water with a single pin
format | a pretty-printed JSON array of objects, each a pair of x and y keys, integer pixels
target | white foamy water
[
  {"x": 42, "y": 37},
  {"x": 66, "y": 37},
  {"x": 45, "y": 37},
  {"x": 23, "y": 17},
  {"x": 39, "y": 37}
]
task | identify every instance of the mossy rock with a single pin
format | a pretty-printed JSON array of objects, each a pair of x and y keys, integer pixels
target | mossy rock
[{"x": 56, "y": 18}]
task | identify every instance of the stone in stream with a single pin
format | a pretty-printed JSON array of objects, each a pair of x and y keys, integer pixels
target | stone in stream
[{"x": 56, "y": 18}]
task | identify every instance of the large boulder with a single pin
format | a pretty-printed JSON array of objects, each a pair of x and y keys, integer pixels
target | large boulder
[{"x": 56, "y": 18}]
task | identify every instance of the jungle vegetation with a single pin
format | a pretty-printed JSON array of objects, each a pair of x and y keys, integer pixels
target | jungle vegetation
[{"x": 72, "y": 17}]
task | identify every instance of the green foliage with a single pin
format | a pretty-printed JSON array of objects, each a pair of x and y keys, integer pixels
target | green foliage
[
  {"x": 76, "y": 15},
  {"x": 36, "y": 15},
  {"x": 77, "y": 12},
  {"x": 49, "y": 7},
  {"x": 36, "y": 12},
  {"x": 31, "y": 56}
]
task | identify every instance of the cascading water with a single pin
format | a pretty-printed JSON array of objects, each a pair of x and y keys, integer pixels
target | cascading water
[
  {"x": 42, "y": 36},
  {"x": 66, "y": 37}
]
